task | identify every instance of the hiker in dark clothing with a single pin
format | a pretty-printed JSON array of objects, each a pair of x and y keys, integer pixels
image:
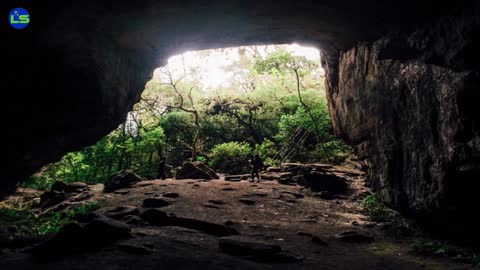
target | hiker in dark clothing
[
  {"x": 161, "y": 169},
  {"x": 257, "y": 165}
]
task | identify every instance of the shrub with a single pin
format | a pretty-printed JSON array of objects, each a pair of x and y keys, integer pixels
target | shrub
[
  {"x": 231, "y": 157},
  {"x": 23, "y": 223},
  {"x": 268, "y": 151},
  {"x": 54, "y": 221},
  {"x": 375, "y": 209}
]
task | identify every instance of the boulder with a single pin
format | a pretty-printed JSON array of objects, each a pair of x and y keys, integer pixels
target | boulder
[
  {"x": 122, "y": 179},
  {"x": 133, "y": 220},
  {"x": 58, "y": 186},
  {"x": 203, "y": 226},
  {"x": 155, "y": 217},
  {"x": 326, "y": 195},
  {"x": 76, "y": 187},
  {"x": 270, "y": 176},
  {"x": 287, "y": 178},
  {"x": 87, "y": 217},
  {"x": 286, "y": 175},
  {"x": 51, "y": 198},
  {"x": 288, "y": 182},
  {"x": 294, "y": 168},
  {"x": 320, "y": 166},
  {"x": 61, "y": 243},
  {"x": 324, "y": 182},
  {"x": 274, "y": 169},
  {"x": 77, "y": 237},
  {"x": 107, "y": 230},
  {"x": 196, "y": 170},
  {"x": 36, "y": 202}
]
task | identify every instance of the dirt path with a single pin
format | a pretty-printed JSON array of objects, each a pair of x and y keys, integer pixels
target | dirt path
[{"x": 267, "y": 212}]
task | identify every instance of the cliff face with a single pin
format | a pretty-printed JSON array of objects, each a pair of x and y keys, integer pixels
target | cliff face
[{"x": 408, "y": 103}]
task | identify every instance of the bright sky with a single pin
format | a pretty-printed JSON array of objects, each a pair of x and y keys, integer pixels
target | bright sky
[{"x": 211, "y": 69}]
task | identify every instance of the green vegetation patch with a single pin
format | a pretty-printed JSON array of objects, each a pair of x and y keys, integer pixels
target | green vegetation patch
[{"x": 24, "y": 223}]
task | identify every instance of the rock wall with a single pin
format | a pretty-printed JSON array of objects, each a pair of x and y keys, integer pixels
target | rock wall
[{"x": 408, "y": 104}]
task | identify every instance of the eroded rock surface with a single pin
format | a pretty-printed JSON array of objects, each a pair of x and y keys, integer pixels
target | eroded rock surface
[
  {"x": 407, "y": 102},
  {"x": 122, "y": 179}
]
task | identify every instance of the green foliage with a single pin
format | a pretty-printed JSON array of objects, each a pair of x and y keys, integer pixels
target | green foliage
[
  {"x": 375, "y": 209},
  {"x": 17, "y": 222},
  {"x": 429, "y": 247},
  {"x": 55, "y": 220},
  {"x": 121, "y": 149},
  {"x": 231, "y": 157},
  {"x": 22, "y": 222},
  {"x": 267, "y": 152},
  {"x": 274, "y": 102},
  {"x": 435, "y": 248},
  {"x": 282, "y": 62}
]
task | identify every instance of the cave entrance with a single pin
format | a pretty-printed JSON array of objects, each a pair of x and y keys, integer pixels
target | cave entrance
[
  {"x": 220, "y": 107},
  {"x": 200, "y": 123}
]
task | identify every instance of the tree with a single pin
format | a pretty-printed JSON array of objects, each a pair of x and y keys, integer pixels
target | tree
[
  {"x": 273, "y": 104},
  {"x": 282, "y": 62}
]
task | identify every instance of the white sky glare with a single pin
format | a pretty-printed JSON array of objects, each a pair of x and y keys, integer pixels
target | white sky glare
[{"x": 211, "y": 64}]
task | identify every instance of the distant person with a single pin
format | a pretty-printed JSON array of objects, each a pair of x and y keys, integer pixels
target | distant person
[
  {"x": 161, "y": 169},
  {"x": 257, "y": 165}
]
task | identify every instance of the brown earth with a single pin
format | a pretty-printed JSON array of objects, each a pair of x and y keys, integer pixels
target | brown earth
[{"x": 267, "y": 212}]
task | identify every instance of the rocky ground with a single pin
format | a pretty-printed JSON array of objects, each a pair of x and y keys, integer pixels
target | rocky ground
[{"x": 219, "y": 224}]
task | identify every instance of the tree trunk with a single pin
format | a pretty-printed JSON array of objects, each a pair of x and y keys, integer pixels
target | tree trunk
[{"x": 309, "y": 112}]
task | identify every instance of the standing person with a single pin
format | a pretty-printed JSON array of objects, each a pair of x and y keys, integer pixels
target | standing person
[
  {"x": 161, "y": 169},
  {"x": 257, "y": 165}
]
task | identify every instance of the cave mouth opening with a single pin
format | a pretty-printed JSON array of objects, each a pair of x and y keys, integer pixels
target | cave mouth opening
[
  {"x": 220, "y": 107},
  {"x": 203, "y": 118}
]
